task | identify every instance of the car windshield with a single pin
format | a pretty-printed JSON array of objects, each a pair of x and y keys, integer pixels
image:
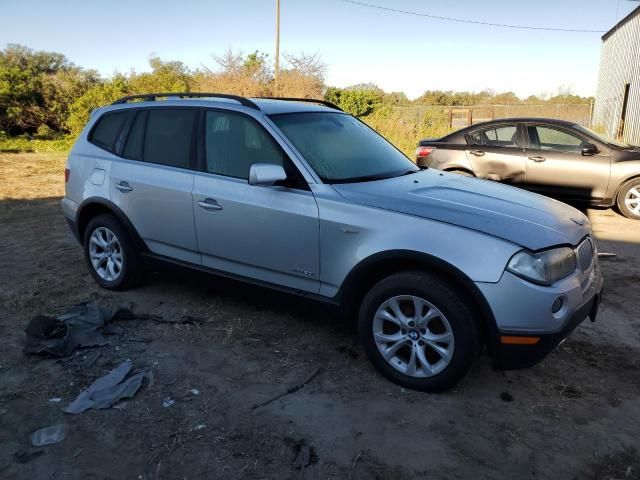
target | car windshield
[
  {"x": 341, "y": 149},
  {"x": 602, "y": 138}
]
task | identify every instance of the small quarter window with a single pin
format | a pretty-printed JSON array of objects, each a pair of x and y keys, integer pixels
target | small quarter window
[{"x": 106, "y": 131}]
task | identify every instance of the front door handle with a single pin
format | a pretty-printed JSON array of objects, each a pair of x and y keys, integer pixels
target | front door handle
[
  {"x": 537, "y": 159},
  {"x": 124, "y": 187},
  {"x": 210, "y": 205},
  {"x": 477, "y": 153}
]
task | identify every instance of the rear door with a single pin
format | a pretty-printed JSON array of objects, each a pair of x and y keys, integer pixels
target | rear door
[
  {"x": 557, "y": 168},
  {"x": 268, "y": 233},
  {"x": 496, "y": 152},
  {"x": 152, "y": 179}
]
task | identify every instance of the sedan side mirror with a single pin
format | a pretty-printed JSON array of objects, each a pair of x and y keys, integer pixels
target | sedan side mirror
[
  {"x": 589, "y": 149},
  {"x": 266, "y": 174}
]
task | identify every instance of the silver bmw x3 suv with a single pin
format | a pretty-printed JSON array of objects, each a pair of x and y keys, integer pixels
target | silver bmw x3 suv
[{"x": 299, "y": 196}]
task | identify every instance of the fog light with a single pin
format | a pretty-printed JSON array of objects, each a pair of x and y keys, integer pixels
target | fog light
[{"x": 557, "y": 305}]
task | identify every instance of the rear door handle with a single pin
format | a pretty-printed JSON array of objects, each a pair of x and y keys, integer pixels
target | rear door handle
[
  {"x": 210, "y": 205},
  {"x": 124, "y": 187},
  {"x": 477, "y": 153},
  {"x": 537, "y": 159}
]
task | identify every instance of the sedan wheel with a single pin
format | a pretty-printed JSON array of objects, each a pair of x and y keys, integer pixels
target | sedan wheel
[
  {"x": 629, "y": 199},
  {"x": 632, "y": 199},
  {"x": 413, "y": 336}
]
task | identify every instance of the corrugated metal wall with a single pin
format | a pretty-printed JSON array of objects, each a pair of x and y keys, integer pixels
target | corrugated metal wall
[{"x": 619, "y": 65}]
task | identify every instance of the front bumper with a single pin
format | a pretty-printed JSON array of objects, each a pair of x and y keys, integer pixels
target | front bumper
[
  {"x": 513, "y": 356},
  {"x": 527, "y": 329}
]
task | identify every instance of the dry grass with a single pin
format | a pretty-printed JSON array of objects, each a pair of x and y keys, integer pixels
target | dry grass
[{"x": 31, "y": 175}]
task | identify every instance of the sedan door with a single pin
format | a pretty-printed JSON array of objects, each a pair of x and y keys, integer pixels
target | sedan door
[
  {"x": 556, "y": 166},
  {"x": 496, "y": 153},
  {"x": 152, "y": 181},
  {"x": 267, "y": 233}
]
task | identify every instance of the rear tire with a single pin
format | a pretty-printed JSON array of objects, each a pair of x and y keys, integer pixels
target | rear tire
[
  {"x": 429, "y": 355},
  {"x": 110, "y": 254},
  {"x": 628, "y": 200}
]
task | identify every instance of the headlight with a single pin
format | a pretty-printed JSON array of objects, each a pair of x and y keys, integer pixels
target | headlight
[{"x": 545, "y": 267}]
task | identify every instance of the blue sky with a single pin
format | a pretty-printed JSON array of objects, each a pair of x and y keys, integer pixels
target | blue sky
[{"x": 396, "y": 51}]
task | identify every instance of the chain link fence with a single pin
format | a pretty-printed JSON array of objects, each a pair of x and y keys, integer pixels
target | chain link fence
[{"x": 462, "y": 116}]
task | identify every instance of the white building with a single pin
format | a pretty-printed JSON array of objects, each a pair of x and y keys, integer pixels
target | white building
[{"x": 617, "y": 104}]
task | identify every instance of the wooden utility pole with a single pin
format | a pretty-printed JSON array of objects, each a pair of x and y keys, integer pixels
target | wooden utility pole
[{"x": 277, "y": 46}]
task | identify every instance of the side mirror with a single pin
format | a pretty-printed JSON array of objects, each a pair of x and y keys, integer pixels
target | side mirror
[
  {"x": 589, "y": 149},
  {"x": 266, "y": 174}
]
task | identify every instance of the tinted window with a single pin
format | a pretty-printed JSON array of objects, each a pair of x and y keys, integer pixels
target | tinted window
[
  {"x": 504, "y": 136},
  {"x": 233, "y": 142},
  {"x": 168, "y": 136},
  {"x": 342, "y": 149},
  {"x": 547, "y": 138},
  {"x": 135, "y": 139},
  {"x": 106, "y": 131}
]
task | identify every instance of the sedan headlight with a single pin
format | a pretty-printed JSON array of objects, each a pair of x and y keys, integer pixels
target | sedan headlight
[{"x": 545, "y": 267}]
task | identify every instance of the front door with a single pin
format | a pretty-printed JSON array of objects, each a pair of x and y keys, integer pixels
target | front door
[
  {"x": 268, "y": 233},
  {"x": 557, "y": 168},
  {"x": 497, "y": 153}
]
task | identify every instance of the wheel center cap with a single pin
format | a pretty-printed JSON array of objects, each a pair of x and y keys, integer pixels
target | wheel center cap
[{"x": 413, "y": 335}]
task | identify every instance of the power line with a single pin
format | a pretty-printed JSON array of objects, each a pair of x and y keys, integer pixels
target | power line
[{"x": 475, "y": 22}]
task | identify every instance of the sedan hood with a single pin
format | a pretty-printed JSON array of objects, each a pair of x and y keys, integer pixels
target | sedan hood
[{"x": 529, "y": 220}]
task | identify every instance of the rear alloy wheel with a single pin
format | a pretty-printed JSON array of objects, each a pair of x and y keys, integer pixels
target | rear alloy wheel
[
  {"x": 418, "y": 331},
  {"x": 628, "y": 201},
  {"x": 110, "y": 254}
]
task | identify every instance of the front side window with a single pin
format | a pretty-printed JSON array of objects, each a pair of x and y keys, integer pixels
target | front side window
[
  {"x": 168, "y": 136},
  {"x": 342, "y": 149},
  {"x": 548, "y": 138},
  {"x": 234, "y": 142},
  {"x": 107, "y": 128},
  {"x": 502, "y": 136}
]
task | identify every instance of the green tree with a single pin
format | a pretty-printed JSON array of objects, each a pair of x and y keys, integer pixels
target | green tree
[
  {"x": 37, "y": 88},
  {"x": 97, "y": 96},
  {"x": 358, "y": 103}
]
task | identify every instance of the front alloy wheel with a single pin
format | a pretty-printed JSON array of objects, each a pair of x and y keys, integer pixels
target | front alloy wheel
[
  {"x": 413, "y": 336},
  {"x": 419, "y": 331}
]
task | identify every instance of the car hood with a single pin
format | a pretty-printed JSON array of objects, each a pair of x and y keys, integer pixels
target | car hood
[{"x": 527, "y": 219}]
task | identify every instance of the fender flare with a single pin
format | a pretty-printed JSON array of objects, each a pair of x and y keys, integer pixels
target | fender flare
[
  {"x": 96, "y": 205},
  {"x": 381, "y": 264}
]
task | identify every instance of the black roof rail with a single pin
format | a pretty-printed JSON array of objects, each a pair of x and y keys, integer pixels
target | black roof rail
[
  {"x": 307, "y": 100},
  {"x": 150, "y": 97}
]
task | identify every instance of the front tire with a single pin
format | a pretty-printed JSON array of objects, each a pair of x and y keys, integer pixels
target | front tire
[
  {"x": 418, "y": 331},
  {"x": 628, "y": 200},
  {"x": 110, "y": 254}
]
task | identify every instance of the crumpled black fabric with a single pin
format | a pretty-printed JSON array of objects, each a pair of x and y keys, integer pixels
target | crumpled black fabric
[
  {"x": 84, "y": 325},
  {"x": 107, "y": 390}
]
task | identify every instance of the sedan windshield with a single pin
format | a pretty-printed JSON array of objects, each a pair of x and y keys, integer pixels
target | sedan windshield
[
  {"x": 342, "y": 149},
  {"x": 602, "y": 138}
]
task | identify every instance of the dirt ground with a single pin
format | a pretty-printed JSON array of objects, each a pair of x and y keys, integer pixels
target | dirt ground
[{"x": 575, "y": 415}]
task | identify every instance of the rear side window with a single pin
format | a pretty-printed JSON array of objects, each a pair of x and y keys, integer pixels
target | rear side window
[
  {"x": 107, "y": 129},
  {"x": 503, "y": 136},
  {"x": 168, "y": 137},
  {"x": 135, "y": 139}
]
